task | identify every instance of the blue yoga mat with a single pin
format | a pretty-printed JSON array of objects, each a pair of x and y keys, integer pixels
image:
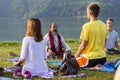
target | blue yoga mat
[
  {"x": 108, "y": 67},
  {"x": 117, "y": 64},
  {"x": 4, "y": 78},
  {"x": 55, "y": 62},
  {"x": 12, "y": 59}
]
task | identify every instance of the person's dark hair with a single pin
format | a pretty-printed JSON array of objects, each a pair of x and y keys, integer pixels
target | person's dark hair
[
  {"x": 34, "y": 29},
  {"x": 94, "y": 8},
  {"x": 110, "y": 19}
]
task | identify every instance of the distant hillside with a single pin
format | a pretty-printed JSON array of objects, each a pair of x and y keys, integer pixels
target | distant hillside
[{"x": 51, "y": 8}]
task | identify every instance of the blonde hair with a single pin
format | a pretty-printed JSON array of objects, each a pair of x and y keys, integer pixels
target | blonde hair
[{"x": 34, "y": 29}]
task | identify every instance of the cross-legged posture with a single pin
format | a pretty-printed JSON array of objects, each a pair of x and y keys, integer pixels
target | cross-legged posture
[
  {"x": 33, "y": 51},
  {"x": 93, "y": 36},
  {"x": 56, "y": 45},
  {"x": 113, "y": 38}
]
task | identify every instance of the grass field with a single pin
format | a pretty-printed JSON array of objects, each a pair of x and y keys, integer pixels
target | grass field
[{"x": 6, "y": 47}]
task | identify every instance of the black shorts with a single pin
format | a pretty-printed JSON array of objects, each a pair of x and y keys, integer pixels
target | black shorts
[
  {"x": 94, "y": 62},
  {"x": 113, "y": 51}
]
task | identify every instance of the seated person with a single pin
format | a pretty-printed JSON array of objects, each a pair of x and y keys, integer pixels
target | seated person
[
  {"x": 33, "y": 51},
  {"x": 93, "y": 35},
  {"x": 56, "y": 45},
  {"x": 112, "y": 40}
]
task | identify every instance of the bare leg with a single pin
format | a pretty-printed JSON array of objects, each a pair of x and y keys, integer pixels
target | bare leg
[
  {"x": 117, "y": 74},
  {"x": 96, "y": 67}
]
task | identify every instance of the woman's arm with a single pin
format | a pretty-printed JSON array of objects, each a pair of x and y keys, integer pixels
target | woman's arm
[
  {"x": 19, "y": 62},
  {"x": 24, "y": 52}
]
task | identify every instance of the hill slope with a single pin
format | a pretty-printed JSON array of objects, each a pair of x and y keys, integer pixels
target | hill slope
[{"x": 51, "y": 8}]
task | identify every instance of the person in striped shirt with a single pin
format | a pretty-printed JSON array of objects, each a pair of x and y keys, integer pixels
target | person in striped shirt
[{"x": 112, "y": 40}]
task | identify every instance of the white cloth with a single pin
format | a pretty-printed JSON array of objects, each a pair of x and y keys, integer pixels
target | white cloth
[
  {"x": 34, "y": 54},
  {"x": 112, "y": 39},
  {"x": 64, "y": 45},
  {"x": 45, "y": 75}
]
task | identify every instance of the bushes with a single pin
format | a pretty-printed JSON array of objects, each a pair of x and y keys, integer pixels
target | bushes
[{"x": 10, "y": 43}]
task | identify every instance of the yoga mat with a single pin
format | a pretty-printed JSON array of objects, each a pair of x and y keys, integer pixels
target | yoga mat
[
  {"x": 55, "y": 62},
  {"x": 107, "y": 67},
  {"x": 74, "y": 76},
  {"x": 12, "y": 59},
  {"x": 4, "y": 78},
  {"x": 117, "y": 64}
]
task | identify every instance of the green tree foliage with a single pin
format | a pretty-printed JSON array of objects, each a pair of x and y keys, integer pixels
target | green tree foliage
[{"x": 53, "y": 8}]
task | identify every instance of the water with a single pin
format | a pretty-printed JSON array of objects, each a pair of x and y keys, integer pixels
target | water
[
  {"x": 70, "y": 28},
  {"x": 12, "y": 29}
]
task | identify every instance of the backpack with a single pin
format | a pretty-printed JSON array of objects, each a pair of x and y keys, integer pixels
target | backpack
[{"x": 70, "y": 67}]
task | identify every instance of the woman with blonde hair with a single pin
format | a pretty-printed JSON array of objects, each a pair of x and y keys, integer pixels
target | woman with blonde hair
[{"x": 33, "y": 51}]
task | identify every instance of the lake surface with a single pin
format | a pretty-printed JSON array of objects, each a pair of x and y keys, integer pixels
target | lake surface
[{"x": 70, "y": 28}]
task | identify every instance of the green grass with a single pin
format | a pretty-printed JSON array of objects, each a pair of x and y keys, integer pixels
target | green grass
[{"x": 6, "y": 47}]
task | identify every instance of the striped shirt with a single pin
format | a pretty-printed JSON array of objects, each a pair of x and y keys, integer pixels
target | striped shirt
[{"x": 112, "y": 39}]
